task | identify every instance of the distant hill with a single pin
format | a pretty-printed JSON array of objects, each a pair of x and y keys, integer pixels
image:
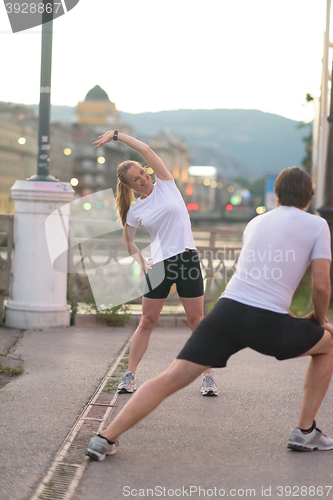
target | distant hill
[
  {"x": 242, "y": 140},
  {"x": 247, "y": 143}
]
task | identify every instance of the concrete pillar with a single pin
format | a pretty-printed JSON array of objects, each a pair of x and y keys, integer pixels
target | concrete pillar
[{"x": 38, "y": 296}]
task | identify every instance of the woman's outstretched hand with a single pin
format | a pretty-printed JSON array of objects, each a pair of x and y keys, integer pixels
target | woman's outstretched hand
[
  {"x": 147, "y": 264},
  {"x": 103, "y": 139}
]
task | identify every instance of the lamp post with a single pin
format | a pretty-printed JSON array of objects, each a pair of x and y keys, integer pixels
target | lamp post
[
  {"x": 43, "y": 159},
  {"x": 39, "y": 293},
  {"x": 326, "y": 211}
]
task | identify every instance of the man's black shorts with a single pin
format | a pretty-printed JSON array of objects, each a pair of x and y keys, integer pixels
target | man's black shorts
[
  {"x": 232, "y": 326},
  {"x": 182, "y": 269}
]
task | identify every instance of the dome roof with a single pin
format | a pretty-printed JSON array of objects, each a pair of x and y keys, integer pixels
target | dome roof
[{"x": 97, "y": 94}]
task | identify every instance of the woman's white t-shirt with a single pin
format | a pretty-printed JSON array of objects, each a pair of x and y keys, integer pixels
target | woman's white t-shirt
[{"x": 164, "y": 215}]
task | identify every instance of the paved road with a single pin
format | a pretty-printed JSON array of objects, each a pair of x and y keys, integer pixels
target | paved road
[
  {"x": 63, "y": 367},
  {"x": 235, "y": 442}
]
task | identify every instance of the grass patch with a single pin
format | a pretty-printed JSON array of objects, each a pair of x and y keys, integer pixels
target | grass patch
[
  {"x": 301, "y": 303},
  {"x": 111, "y": 384},
  {"x": 13, "y": 372}
]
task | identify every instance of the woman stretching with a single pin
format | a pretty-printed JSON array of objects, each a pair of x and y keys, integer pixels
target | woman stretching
[{"x": 162, "y": 211}]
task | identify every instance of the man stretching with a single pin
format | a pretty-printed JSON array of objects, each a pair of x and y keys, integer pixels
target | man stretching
[{"x": 253, "y": 312}]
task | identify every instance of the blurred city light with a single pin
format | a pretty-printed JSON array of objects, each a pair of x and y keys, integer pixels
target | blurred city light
[
  {"x": 67, "y": 151},
  {"x": 22, "y": 140},
  {"x": 87, "y": 206},
  {"x": 206, "y": 182},
  {"x": 236, "y": 199},
  {"x": 150, "y": 170},
  {"x": 213, "y": 184},
  {"x": 189, "y": 189},
  {"x": 74, "y": 181},
  {"x": 192, "y": 206},
  {"x": 246, "y": 195},
  {"x": 219, "y": 185},
  {"x": 260, "y": 210},
  {"x": 101, "y": 159},
  {"x": 202, "y": 171},
  {"x": 99, "y": 204},
  {"x": 230, "y": 189},
  {"x": 229, "y": 207}
]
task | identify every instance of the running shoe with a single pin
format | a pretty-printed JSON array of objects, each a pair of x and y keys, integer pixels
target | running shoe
[
  {"x": 99, "y": 447},
  {"x": 127, "y": 383},
  {"x": 208, "y": 387},
  {"x": 316, "y": 440}
]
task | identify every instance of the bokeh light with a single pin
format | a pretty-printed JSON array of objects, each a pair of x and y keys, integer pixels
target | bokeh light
[{"x": 261, "y": 210}]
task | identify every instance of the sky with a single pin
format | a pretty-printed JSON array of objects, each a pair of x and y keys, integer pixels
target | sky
[{"x": 153, "y": 55}]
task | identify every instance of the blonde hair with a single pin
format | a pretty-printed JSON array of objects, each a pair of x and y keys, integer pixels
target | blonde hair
[{"x": 125, "y": 194}]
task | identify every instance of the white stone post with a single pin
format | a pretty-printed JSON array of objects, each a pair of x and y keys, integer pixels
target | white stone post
[{"x": 38, "y": 296}]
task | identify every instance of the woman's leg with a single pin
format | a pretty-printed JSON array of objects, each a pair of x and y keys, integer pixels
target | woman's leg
[
  {"x": 151, "y": 310},
  {"x": 194, "y": 309}
]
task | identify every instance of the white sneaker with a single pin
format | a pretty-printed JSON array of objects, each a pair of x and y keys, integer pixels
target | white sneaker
[
  {"x": 209, "y": 387},
  {"x": 316, "y": 440},
  {"x": 127, "y": 383},
  {"x": 99, "y": 447}
]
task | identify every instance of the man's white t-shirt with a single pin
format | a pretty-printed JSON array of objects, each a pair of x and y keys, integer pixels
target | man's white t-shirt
[
  {"x": 164, "y": 215},
  {"x": 277, "y": 249}
]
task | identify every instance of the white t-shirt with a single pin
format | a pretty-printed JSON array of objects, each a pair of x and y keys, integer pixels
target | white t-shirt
[
  {"x": 277, "y": 248},
  {"x": 164, "y": 215}
]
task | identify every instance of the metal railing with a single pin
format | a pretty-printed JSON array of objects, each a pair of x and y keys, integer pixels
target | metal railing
[
  {"x": 219, "y": 248},
  {"x": 6, "y": 250}
]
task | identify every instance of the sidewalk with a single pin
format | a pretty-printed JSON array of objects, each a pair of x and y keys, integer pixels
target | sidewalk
[
  {"x": 234, "y": 442},
  {"x": 62, "y": 369}
]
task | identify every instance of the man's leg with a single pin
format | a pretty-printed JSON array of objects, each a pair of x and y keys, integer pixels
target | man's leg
[
  {"x": 178, "y": 375},
  {"x": 317, "y": 379}
]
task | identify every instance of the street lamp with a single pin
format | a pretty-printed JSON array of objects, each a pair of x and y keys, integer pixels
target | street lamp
[{"x": 43, "y": 159}]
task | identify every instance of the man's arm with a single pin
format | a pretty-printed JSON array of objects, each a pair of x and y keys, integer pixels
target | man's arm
[{"x": 321, "y": 289}]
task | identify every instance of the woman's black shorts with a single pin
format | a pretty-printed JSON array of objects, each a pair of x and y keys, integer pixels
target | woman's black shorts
[
  {"x": 182, "y": 269},
  {"x": 232, "y": 326}
]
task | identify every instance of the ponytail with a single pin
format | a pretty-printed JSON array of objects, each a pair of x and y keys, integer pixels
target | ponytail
[{"x": 125, "y": 194}]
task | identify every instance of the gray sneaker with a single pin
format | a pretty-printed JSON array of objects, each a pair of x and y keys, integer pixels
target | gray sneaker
[
  {"x": 127, "y": 383},
  {"x": 99, "y": 447},
  {"x": 316, "y": 440},
  {"x": 208, "y": 387}
]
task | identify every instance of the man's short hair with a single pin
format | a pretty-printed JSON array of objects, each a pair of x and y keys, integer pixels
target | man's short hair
[{"x": 294, "y": 187}]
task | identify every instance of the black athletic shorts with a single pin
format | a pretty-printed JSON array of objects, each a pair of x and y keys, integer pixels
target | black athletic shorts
[
  {"x": 182, "y": 269},
  {"x": 232, "y": 326}
]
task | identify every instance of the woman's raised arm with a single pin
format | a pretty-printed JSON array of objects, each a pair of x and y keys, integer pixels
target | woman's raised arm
[{"x": 151, "y": 158}]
